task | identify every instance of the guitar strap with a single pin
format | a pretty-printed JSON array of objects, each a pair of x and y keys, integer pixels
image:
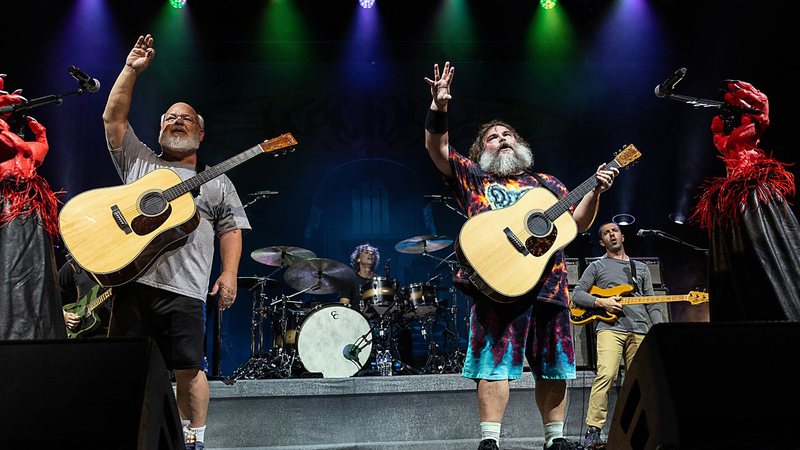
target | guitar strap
[
  {"x": 543, "y": 184},
  {"x": 198, "y": 167},
  {"x": 633, "y": 275}
]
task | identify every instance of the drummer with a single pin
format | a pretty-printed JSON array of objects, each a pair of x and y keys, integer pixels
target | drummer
[{"x": 364, "y": 259}]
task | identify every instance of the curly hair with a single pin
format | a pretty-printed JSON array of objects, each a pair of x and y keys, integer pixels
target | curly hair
[
  {"x": 364, "y": 248},
  {"x": 477, "y": 146}
]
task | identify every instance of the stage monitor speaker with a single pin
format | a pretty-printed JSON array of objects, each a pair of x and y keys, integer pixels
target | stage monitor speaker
[
  {"x": 709, "y": 386},
  {"x": 87, "y": 394}
]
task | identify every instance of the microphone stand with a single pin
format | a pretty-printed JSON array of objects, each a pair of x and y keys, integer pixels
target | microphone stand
[
  {"x": 679, "y": 240},
  {"x": 41, "y": 101},
  {"x": 730, "y": 114},
  {"x": 255, "y": 199}
]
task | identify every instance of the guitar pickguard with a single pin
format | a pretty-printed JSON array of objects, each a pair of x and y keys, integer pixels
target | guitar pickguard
[
  {"x": 538, "y": 246},
  {"x": 144, "y": 225}
]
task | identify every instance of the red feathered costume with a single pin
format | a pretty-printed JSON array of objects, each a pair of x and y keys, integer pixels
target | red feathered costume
[
  {"x": 755, "y": 237},
  {"x": 30, "y": 301}
]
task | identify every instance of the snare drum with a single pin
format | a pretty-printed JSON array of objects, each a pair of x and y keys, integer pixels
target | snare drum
[
  {"x": 377, "y": 295},
  {"x": 420, "y": 300},
  {"x": 334, "y": 340}
]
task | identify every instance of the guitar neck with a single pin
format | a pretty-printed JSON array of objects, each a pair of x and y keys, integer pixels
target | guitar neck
[
  {"x": 211, "y": 173},
  {"x": 575, "y": 195},
  {"x": 99, "y": 300},
  {"x": 653, "y": 299}
]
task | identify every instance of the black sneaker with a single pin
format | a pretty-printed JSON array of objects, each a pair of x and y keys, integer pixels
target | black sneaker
[
  {"x": 593, "y": 440},
  {"x": 488, "y": 444},
  {"x": 563, "y": 444}
]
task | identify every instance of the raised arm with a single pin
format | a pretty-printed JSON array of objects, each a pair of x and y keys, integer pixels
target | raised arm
[
  {"x": 437, "y": 140},
  {"x": 586, "y": 210},
  {"x": 115, "y": 116}
]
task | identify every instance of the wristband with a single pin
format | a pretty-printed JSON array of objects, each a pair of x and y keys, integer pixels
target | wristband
[{"x": 436, "y": 122}]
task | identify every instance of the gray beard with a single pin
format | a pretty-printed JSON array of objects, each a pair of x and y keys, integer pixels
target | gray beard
[
  {"x": 505, "y": 165},
  {"x": 179, "y": 144}
]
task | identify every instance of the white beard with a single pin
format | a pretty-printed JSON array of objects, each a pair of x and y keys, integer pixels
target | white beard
[
  {"x": 506, "y": 164},
  {"x": 179, "y": 144}
]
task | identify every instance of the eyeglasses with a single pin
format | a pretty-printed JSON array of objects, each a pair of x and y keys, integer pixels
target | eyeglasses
[{"x": 171, "y": 118}]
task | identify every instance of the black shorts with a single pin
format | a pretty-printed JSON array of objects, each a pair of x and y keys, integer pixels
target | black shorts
[{"x": 174, "y": 321}]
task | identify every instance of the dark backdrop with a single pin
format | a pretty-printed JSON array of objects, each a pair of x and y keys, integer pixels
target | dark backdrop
[{"x": 349, "y": 85}]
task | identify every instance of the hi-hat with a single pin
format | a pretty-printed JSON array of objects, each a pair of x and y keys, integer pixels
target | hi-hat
[
  {"x": 423, "y": 244},
  {"x": 251, "y": 282},
  {"x": 281, "y": 256},
  {"x": 320, "y": 276}
]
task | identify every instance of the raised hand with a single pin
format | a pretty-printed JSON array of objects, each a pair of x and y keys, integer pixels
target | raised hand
[
  {"x": 440, "y": 84},
  {"x": 141, "y": 54},
  {"x": 746, "y": 136}
]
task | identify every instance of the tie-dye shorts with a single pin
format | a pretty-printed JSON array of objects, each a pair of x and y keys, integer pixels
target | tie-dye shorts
[{"x": 500, "y": 333}]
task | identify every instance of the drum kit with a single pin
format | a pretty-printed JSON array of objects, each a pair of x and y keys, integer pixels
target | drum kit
[{"x": 333, "y": 340}]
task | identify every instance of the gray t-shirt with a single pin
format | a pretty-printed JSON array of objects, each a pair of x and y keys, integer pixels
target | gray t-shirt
[
  {"x": 185, "y": 270},
  {"x": 607, "y": 273}
]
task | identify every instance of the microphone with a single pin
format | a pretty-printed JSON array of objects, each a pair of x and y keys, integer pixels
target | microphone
[
  {"x": 259, "y": 193},
  {"x": 87, "y": 83},
  {"x": 386, "y": 267},
  {"x": 665, "y": 88},
  {"x": 643, "y": 232}
]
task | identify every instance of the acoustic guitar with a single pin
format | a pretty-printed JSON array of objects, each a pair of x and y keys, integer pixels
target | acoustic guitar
[
  {"x": 580, "y": 316},
  {"x": 508, "y": 249},
  {"x": 115, "y": 233},
  {"x": 85, "y": 307}
]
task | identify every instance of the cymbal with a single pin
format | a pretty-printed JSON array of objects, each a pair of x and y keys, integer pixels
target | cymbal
[
  {"x": 328, "y": 275},
  {"x": 251, "y": 282},
  {"x": 423, "y": 244},
  {"x": 281, "y": 256}
]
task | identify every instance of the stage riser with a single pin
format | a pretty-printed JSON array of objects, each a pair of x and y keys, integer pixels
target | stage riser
[{"x": 371, "y": 412}]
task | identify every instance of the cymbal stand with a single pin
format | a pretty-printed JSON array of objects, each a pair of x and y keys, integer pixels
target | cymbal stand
[
  {"x": 255, "y": 365},
  {"x": 455, "y": 359}
]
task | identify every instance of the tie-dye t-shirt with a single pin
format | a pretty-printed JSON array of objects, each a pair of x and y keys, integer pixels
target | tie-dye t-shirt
[{"x": 477, "y": 191}]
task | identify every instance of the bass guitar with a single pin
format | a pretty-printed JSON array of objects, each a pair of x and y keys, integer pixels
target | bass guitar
[
  {"x": 115, "y": 233},
  {"x": 580, "y": 316},
  {"x": 508, "y": 249},
  {"x": 85, "y": 308}
]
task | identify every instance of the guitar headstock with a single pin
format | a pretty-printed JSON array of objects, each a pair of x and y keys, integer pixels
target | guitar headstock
[
  {"x": 697, "y": 297},
  {"x": 627, "y": 155},
  {"x": 281, "y": 142}
]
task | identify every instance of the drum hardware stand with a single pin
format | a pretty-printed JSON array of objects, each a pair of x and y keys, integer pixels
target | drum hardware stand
[
  {"x": 256, "y": 364},
  {"x": 386, "y": 342},
  {"x": 455, "y": 359}
]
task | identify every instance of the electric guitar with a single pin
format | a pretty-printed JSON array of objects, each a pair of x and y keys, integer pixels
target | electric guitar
[
  {"x": 85, "y": 307},
  {"x": 580, "y": 316},
  {"x": 115, "y": 233},
  {"x": 508, "y": 249}
]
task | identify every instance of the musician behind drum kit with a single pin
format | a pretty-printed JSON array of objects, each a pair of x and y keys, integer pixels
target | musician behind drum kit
[{"x": 364, "y": 259}]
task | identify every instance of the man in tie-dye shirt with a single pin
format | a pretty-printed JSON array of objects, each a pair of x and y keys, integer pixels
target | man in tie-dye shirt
[{"x": 497, "y": 173}]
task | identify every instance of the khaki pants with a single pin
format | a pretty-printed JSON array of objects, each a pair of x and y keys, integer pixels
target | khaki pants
[{"x": 611, "y": 345}]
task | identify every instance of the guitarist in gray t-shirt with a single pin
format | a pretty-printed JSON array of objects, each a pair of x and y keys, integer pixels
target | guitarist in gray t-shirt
[{"x": 620, "y": 330}]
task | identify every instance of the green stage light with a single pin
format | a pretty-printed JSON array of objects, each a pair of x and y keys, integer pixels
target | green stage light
[
  {"x": 177, "y": 4},
  {"x": 548, "y": 4}
]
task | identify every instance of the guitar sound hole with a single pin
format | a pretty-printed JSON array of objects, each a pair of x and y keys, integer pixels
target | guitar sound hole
[
  {"x": 153, "y": 203},
  {"x": 538, "y": 225}
]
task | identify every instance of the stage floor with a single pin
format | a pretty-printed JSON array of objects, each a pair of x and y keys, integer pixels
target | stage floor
[{"x": 399, "y": 412}]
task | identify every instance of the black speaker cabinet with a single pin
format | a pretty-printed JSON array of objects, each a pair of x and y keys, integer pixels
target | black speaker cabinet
[
  {"x": 86, "y": 394},
  {"x": 710, "y": 386}
]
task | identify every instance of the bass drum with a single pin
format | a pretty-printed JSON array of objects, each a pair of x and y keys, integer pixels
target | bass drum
[{"x": 334, "y": 340}]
